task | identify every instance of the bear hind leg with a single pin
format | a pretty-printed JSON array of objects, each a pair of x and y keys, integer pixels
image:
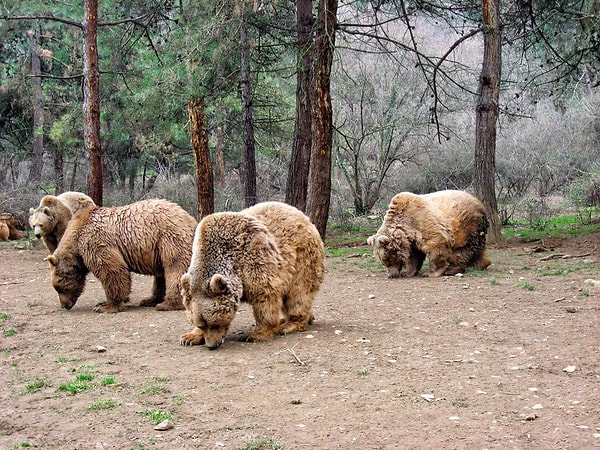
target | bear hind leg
[
  {"x": 116, "y": 281},
  {"x": 297, "y": 308}
]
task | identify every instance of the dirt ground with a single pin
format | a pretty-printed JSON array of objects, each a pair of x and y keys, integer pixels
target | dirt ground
[{"x": 507, "y": 358}]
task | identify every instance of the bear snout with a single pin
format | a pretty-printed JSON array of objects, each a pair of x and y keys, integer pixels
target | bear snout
[{"x": 213, "y": 344}]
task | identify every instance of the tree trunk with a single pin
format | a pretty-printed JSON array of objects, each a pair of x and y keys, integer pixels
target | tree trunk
[
  {"x": 319, "y": 188},
  {"x": 91, "y": 100},
  {"x": 37, "y": 160},
  {"x": 487, "y": 117},
  {"x": 297, "y": 179},
  {"x": 220, "y": 159},
  {"x": 59, "y": 170},
  {"x": 204, "y": 175},
  {"x": 249, "y": 145}
]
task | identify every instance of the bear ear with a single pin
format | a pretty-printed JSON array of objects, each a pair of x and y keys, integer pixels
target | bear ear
[
  {"x": 53, "y": 260},
  {"x": 47, "y": 211},
  {"x": 383, "y": 240},
  {"x": 218, "y": 284},
  {"x": 31, "y": 211}
]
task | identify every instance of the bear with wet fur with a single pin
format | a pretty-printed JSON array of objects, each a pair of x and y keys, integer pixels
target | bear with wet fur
[
  {"x": 448, "y": 227},
  {"x": 49, "y": 220},
  {"x": 270, "y": 256},
  {"x": 149, "y": 237}
]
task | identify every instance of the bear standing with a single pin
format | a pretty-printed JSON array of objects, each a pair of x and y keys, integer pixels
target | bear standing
[
  {"x": 448, "y": 227},
  {"x": 269, "y": 255},
  {"x": 150, "y": 237},
  {"x": 49, "y": 220}
]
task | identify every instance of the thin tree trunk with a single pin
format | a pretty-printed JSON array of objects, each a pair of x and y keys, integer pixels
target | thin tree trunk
[
  {"x": 250, "y": 197},
  {"x": 37, "y": 160},
  {"x": 59, "y": 171},
  {"x": 204, "y": 175},
  {"x": 297, "y": 180},
  {"x": 91, "y": 100},
  {"x": 220, "y": 159},
  {"x": 319, "y": 189},
  {"x": 487, "y": 117}
]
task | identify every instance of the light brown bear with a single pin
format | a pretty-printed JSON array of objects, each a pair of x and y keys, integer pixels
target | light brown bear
[
  {"x": 269, "y": 255},
  {"x": 49, "y": 220},
  {"x": 4, "y": 231},
  {"x": 14, "y": 225},
  {"x": 448, "y": 227},
  {"x": 150, "y": 237}
]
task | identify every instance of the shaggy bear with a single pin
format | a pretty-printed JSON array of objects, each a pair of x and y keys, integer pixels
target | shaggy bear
[
  {"x": 150, "y": 237},
  {"x": 4, "y": 231},
  {"x": 49, "y": 220},
  {"x": 14, "y": 225},
  {"x": 448, "y": 227},
  {"x": 270, "y": 256}
]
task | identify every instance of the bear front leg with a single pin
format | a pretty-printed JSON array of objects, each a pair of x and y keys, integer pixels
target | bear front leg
[
  {"x": 268, "y": 315},
  {"x": 437, "y": 266},
  {"x": 158, "y": 292},
  {"x": 117, "y": 287},
  {"x": 297, "y": 309},
  {"x": 172, "y": 297},
  {"x": 194, "y": 337}
]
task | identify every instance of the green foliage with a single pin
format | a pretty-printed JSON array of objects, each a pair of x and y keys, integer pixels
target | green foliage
[
  {"x": 104, "y": 403},
  {"x": 37, "y": 385},
  {"x": 10, "y": 332},
  {"x": 156, "y": 415},
  {"x": 261, "y": 444},
  {"x": 4, "y": 317},
  {"x": 527, "y": 286}
]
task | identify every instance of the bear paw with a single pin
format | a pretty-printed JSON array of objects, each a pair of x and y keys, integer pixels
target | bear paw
[
  {"x": 104, "y": 307},
  {"x": 195, "y": 337},
  {"x": 257, "y": 336},
  {"x": 169, "y": 306}
]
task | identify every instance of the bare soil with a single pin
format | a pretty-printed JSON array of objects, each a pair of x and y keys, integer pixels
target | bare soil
[{"x": 506, "y": 358}]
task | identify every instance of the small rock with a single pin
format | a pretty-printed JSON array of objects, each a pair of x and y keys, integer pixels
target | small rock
[
  {"x": 537, "y": 406},
  {"x": 164, "y": 425},
  {"x": 453, "y": 418},
  {"x": 428, "y": 397},
  {"x": 592, "y": 282},
  {"x": 569, "y": 369},
  {"x": 337, "y": 332},
  {"x": 371, "y": 296},
  {"x": 363, "y": 340},
  {"x": 100, "y": 349}
]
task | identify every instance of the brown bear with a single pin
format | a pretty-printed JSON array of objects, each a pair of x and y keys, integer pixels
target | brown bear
[
  {"x": 49, "y": 220},
  {"x": 448, "y": 227},
  {"x": 150, "y": 237},
  {"x": 270, "y": 256},
  {"x": 14, "y": 224},
  {"x": 4, "y": 231}
]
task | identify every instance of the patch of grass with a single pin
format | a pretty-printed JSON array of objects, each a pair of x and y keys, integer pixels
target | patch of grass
[
  {"x": 261, "y": 444},
  {"x": 32, "y": 303},
  {"x": 457, "y": 320},
  {"x": 161, "y": 379},
  {"x": 585, "y": 293},
  {"x": 84, "y": 377},
  {"x": 152, "y": 390},
  {"x": 64, "y": 359},
  {"x": 566, "y": 225},
  {"x": 526, "y": 286},
  {"x": 21, "y": 445},
  {"x": 4, "y": 317},
  {"x": 460, "y": 403},
  {"x": 107, "y": 381},
  {"x": 103, "y": 403},
  {"x": 10, "y": 332},
  {"x": 79, "y": 385},
  {"x": 337, "y": 252},
  {"x": 156, "y": 415},
  {"x": 36, "y": 385},
  {"x": 494, "y": 282},
  {"x": 362, "y": 372}
]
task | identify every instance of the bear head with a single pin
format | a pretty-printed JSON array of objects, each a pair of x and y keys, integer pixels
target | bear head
[
  {"x": 212, "y": 307},
  {"x": 393, "y": 251},
  {"x": 67, "y": 274},
  {"x": 42, "y": 220}
]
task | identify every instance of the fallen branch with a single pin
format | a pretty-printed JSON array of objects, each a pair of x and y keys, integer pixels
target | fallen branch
[
  {"x": 563, "y": 256},
  {"x": 11, "y": 282},
  {"x": 291, "y": 350}
]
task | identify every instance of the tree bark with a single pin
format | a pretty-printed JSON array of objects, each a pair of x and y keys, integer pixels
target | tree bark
[
  {"x": 487, "y": 117},
  {"x": 220, "y": 159},
  {"x": 37, "y": 160},
  {"x": 297, "y": 179},
  {"x": 319, "y": 188},
  {"x": 204, "y": 175},
  {"x": 249, "y": 144},
  {"x": 91, "y": 100}
]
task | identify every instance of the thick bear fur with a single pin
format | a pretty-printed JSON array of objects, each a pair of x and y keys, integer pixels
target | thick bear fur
[
  {"x": 4, "y": 231},
  {"x": 270, "y": 256},
  {"x": 49, "y": 220},
  {"x": 13, "y": 224},
  {"x": 448, "y": 227},
  {"x": 150, "y": 237}
]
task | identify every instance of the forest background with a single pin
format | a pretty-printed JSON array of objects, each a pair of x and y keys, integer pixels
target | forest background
[{"x": 404, "y": 83}]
